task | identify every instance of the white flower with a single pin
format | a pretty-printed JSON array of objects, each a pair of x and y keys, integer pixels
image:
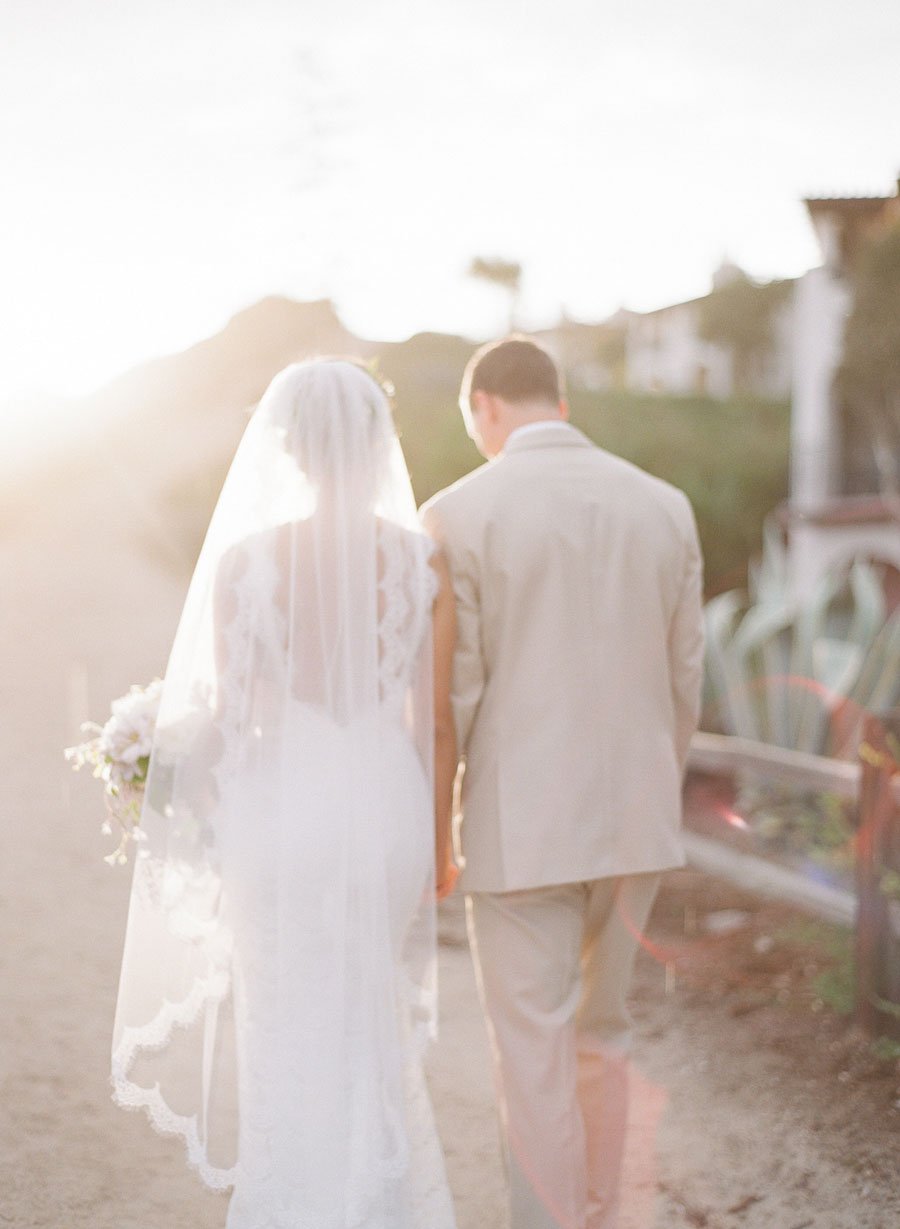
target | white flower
[
  {"x": 128, "y": 735},
  {"x": 125, "y": 742}
]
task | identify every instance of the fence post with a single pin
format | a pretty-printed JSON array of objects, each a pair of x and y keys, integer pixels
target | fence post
[{"x": 877, "y": 880}]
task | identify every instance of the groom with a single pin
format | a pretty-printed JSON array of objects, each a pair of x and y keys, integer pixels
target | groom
[{"x": 576, "y": 692}]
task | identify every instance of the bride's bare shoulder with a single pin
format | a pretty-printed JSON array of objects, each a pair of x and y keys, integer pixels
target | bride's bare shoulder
[
  {"x": 272, "y": 538},
  {"x": 240, "y": 554}
]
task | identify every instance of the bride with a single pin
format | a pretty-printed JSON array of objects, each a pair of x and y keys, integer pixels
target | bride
[{"x": 278, "y": 979}]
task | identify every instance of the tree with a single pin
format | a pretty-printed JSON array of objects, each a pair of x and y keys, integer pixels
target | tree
[
  {"x": 868, "y": 380},
  {"x": 740, "y": 316},
  {"x": 506, "y": 274}
]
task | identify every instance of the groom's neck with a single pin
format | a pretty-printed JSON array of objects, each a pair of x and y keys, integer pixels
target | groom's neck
[{"x": 525, "y": 414}]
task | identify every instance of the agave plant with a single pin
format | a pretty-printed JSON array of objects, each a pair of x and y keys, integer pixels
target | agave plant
[{"x": 802, "y": 674}]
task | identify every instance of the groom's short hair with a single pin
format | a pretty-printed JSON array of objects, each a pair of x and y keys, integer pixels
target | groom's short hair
[{"x": 516, "y": 369}]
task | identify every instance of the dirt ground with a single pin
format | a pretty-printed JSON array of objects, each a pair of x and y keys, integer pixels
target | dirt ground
[
  {"x": 778, "y": 1112},
  {"x": 753, "y": 1105}
]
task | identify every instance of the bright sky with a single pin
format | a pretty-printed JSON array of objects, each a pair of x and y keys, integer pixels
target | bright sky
[{"x": 166, "y": 164}]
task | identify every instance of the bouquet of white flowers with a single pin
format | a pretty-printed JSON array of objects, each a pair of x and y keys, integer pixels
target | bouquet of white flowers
[{"x": 119, "y": 754}]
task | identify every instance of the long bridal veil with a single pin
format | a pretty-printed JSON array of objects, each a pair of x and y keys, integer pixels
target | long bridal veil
[{"x": 280, "y": 951}]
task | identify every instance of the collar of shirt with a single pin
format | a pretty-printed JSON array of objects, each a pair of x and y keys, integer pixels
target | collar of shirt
[{"x": 535, "y": 426}]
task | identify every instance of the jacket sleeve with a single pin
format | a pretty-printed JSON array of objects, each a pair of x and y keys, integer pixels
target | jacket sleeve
[
  {"x": 686, "y": 646},
  {"x": 468, "y": 659}
]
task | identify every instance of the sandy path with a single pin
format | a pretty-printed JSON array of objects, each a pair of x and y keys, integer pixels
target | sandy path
[{"x": 716, "y": 1120}]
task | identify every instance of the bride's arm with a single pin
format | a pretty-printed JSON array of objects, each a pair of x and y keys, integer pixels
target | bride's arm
[{"x": 445, "y": 753}]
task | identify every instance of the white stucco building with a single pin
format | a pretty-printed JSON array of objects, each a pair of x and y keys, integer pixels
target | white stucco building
[
  {"x": 589, "y": 355},
  {"x": 665, "y": 352},
  {"x": 827, "y": 526}
]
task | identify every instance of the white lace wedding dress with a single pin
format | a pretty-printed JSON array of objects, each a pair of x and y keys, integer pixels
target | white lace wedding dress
[
  {"x": 278, "y": 980},
  {"x": 288, "y": 1102}
]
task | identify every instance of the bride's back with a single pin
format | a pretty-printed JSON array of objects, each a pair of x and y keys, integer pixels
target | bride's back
[{"x": 335, "y": 624}]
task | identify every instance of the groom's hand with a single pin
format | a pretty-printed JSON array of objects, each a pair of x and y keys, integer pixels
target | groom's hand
[{"x": 446, "y": 879}]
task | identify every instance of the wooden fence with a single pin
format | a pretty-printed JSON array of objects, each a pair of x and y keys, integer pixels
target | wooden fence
[{"x": 873, "y": 785}]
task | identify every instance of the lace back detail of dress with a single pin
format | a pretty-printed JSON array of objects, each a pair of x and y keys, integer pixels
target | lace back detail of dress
[
  {"x": 253, "y": 573},
  {"x": 407, "y": 586}
]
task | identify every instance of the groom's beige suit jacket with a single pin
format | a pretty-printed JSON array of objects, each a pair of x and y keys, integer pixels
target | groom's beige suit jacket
[{"x": 577, "y": 674}]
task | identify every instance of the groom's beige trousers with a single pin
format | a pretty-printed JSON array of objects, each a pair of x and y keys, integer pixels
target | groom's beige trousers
[{"x": 554, "y": 966}]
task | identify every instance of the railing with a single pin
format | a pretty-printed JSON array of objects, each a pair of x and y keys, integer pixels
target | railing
[
  {"x": 873, "y": 784},
  {"x": 722, "y": 753}
]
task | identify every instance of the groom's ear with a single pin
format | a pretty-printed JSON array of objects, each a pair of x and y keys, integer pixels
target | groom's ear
[
  {"x": 475, "y": 413},
  {"x": 484, "y": 403},
  {"x": 564, "y": 409},
  {"x": 471, "y": 408}
]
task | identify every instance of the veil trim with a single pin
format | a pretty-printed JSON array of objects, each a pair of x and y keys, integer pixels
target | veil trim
[{"x": 205, "y": 992}]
